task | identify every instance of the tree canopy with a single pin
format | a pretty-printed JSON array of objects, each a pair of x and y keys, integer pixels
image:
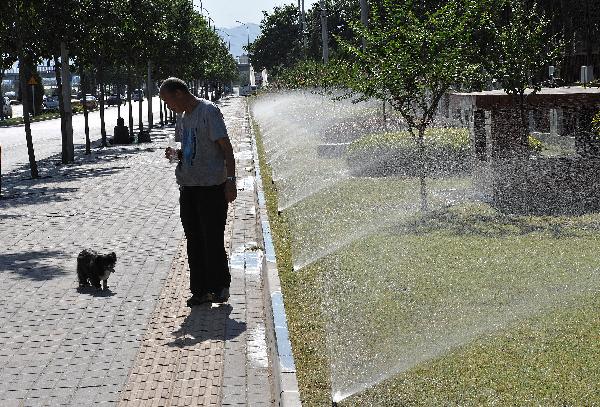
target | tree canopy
[{"x": 116, "y": 34}]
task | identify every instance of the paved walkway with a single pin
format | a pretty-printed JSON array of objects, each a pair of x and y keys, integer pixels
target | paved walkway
[{"x": 138, "y": 344}]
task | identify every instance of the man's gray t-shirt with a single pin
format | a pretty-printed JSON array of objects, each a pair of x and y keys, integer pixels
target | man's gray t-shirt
[{"x": 202, "y": 162}]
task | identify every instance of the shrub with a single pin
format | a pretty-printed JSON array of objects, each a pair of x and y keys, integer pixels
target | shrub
[
  {"x": 596, "y": 123},
  {"x": 447, "y": 151},
  {"x": 535, "y": 145}
]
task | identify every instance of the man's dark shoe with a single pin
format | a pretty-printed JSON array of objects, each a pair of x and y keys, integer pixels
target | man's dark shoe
[
  {"x": 198, "y": 299},
  {"x": 222, "y": 295}
]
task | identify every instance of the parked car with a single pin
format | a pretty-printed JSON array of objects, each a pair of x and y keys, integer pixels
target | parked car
[
  {"x": 90, "y": 101},
  {"x": 137, "y": 95},
  {"x": 51, "y": 103},
  {"x": 12, "y": 97},
  {"x": 115, "y": 99},
  {"x": 6, "y": 107}
]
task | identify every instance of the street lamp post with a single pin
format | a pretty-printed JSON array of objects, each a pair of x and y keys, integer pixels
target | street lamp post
[
  {"x": 228, "y": 37},
  {"x": 247, "y": 33},
  {"x": 302, "y": 23},
  {"x": 201, "y": 8},
  {"x": 209, "y": 19},
  {"x": 324, "y": 36}
]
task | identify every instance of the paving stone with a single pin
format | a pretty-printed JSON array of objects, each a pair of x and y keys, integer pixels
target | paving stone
[{"x": 137, "y": 344}]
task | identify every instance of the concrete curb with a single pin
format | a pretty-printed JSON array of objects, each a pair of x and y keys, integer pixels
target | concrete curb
[{"x": 284, "y": 370}]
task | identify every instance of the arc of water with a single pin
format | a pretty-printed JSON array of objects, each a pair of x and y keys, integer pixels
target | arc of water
[{"x": 522, "y": 307}]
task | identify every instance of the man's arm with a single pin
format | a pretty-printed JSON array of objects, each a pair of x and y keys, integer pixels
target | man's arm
[{"x": 230, "y": 186}]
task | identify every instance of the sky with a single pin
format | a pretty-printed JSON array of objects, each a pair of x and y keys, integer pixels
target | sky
[{"x": 225, "y": 12}]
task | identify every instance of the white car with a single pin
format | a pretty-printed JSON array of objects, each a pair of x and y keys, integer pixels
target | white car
[{"x": 6, "y": 107}]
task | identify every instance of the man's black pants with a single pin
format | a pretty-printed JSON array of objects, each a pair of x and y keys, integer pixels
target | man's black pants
[{"x": 203, "y": 213}]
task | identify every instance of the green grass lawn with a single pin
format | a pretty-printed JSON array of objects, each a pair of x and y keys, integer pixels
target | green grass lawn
[
  {"x": 14, "y": 121},
  {"x": 462, "y": 306},
  {"x": 405, "y": 300}
]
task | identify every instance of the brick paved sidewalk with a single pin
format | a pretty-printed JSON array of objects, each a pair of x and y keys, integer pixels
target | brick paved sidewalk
[
  {"x": 211, "y": 355},
  {"x": 137, "y": 344}
]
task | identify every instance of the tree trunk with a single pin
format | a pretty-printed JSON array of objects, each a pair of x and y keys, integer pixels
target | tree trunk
[
  {"x": 83, "y": 88},
  {"x": 102, "y": 123},
  {"x": 524, "y": 126},
  {"x": 1, "y": 98},
  {"x": 119, "y": 104},
  {"x": 150, "y": 88},
  {"x": 68, "y": 148},
  {"x": 129, "y": 103},
  {"x": 140, "y": 110},
  {"x": 25, "y": 96},
  {"x": 422, "y": 170},
  {"x": 61, "y": 110},
  {"x": 160, "y": 108}
]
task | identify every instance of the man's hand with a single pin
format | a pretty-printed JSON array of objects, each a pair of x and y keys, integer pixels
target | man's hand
[{"x": 230, "y": 190}]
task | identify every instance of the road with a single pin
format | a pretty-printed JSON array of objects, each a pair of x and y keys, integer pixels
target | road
[{"x": 47, "y": 137}]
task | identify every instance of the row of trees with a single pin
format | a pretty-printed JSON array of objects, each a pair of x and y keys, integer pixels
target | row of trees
[
  {"x": 413, "y": 52},
  {"x": 114, "y": 42},
  {"x": 282, "y": 43}
]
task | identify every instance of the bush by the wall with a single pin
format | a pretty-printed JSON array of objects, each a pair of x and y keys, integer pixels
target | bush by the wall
[{"x": 447, "y": 151}]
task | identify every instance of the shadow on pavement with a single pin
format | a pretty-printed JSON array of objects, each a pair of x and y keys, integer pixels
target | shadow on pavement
[
  {"x": 32, "y": 265},
  {"x": 4, "y": 216},
  {"x": 94, "y": 292},
  {"x": 33, "y": 196},
  {"x": 19, "y": 188},
  {"x": 204, "y": 323}
]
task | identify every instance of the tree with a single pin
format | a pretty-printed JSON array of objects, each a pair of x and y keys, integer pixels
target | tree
[
  {"x": 522, "y": 47},
  {"x": 341, "y": 15},
  {"x": 26, "y": 40},
  {"x": 55, "y": 41},
  {"x": 413, "y": 56},
  {"x": 279, "y": 44},
  {"x": 8, "y": 51}
]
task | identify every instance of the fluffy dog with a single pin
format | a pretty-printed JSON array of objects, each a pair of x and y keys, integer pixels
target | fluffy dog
[{"x": 92, "y": 268}]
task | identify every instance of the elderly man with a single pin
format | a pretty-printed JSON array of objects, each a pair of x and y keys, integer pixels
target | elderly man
[{"x": 206, "y": 177}]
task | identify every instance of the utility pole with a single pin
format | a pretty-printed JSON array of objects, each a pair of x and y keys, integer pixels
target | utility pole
[
  {"x": 247, "y": 33},
  {"x": 364, "y": 18},
  {"x": 228, "y": 37},
  {"x": 324, "y": 35},
  {"x": 150, "y": 88},
  {"x": 303, "y": 26}
]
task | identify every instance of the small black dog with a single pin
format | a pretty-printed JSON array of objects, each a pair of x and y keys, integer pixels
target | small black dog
[{"x": 93, "y": 268}]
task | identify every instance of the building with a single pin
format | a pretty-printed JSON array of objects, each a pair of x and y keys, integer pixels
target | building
[{"x": 246, "y": 73}]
